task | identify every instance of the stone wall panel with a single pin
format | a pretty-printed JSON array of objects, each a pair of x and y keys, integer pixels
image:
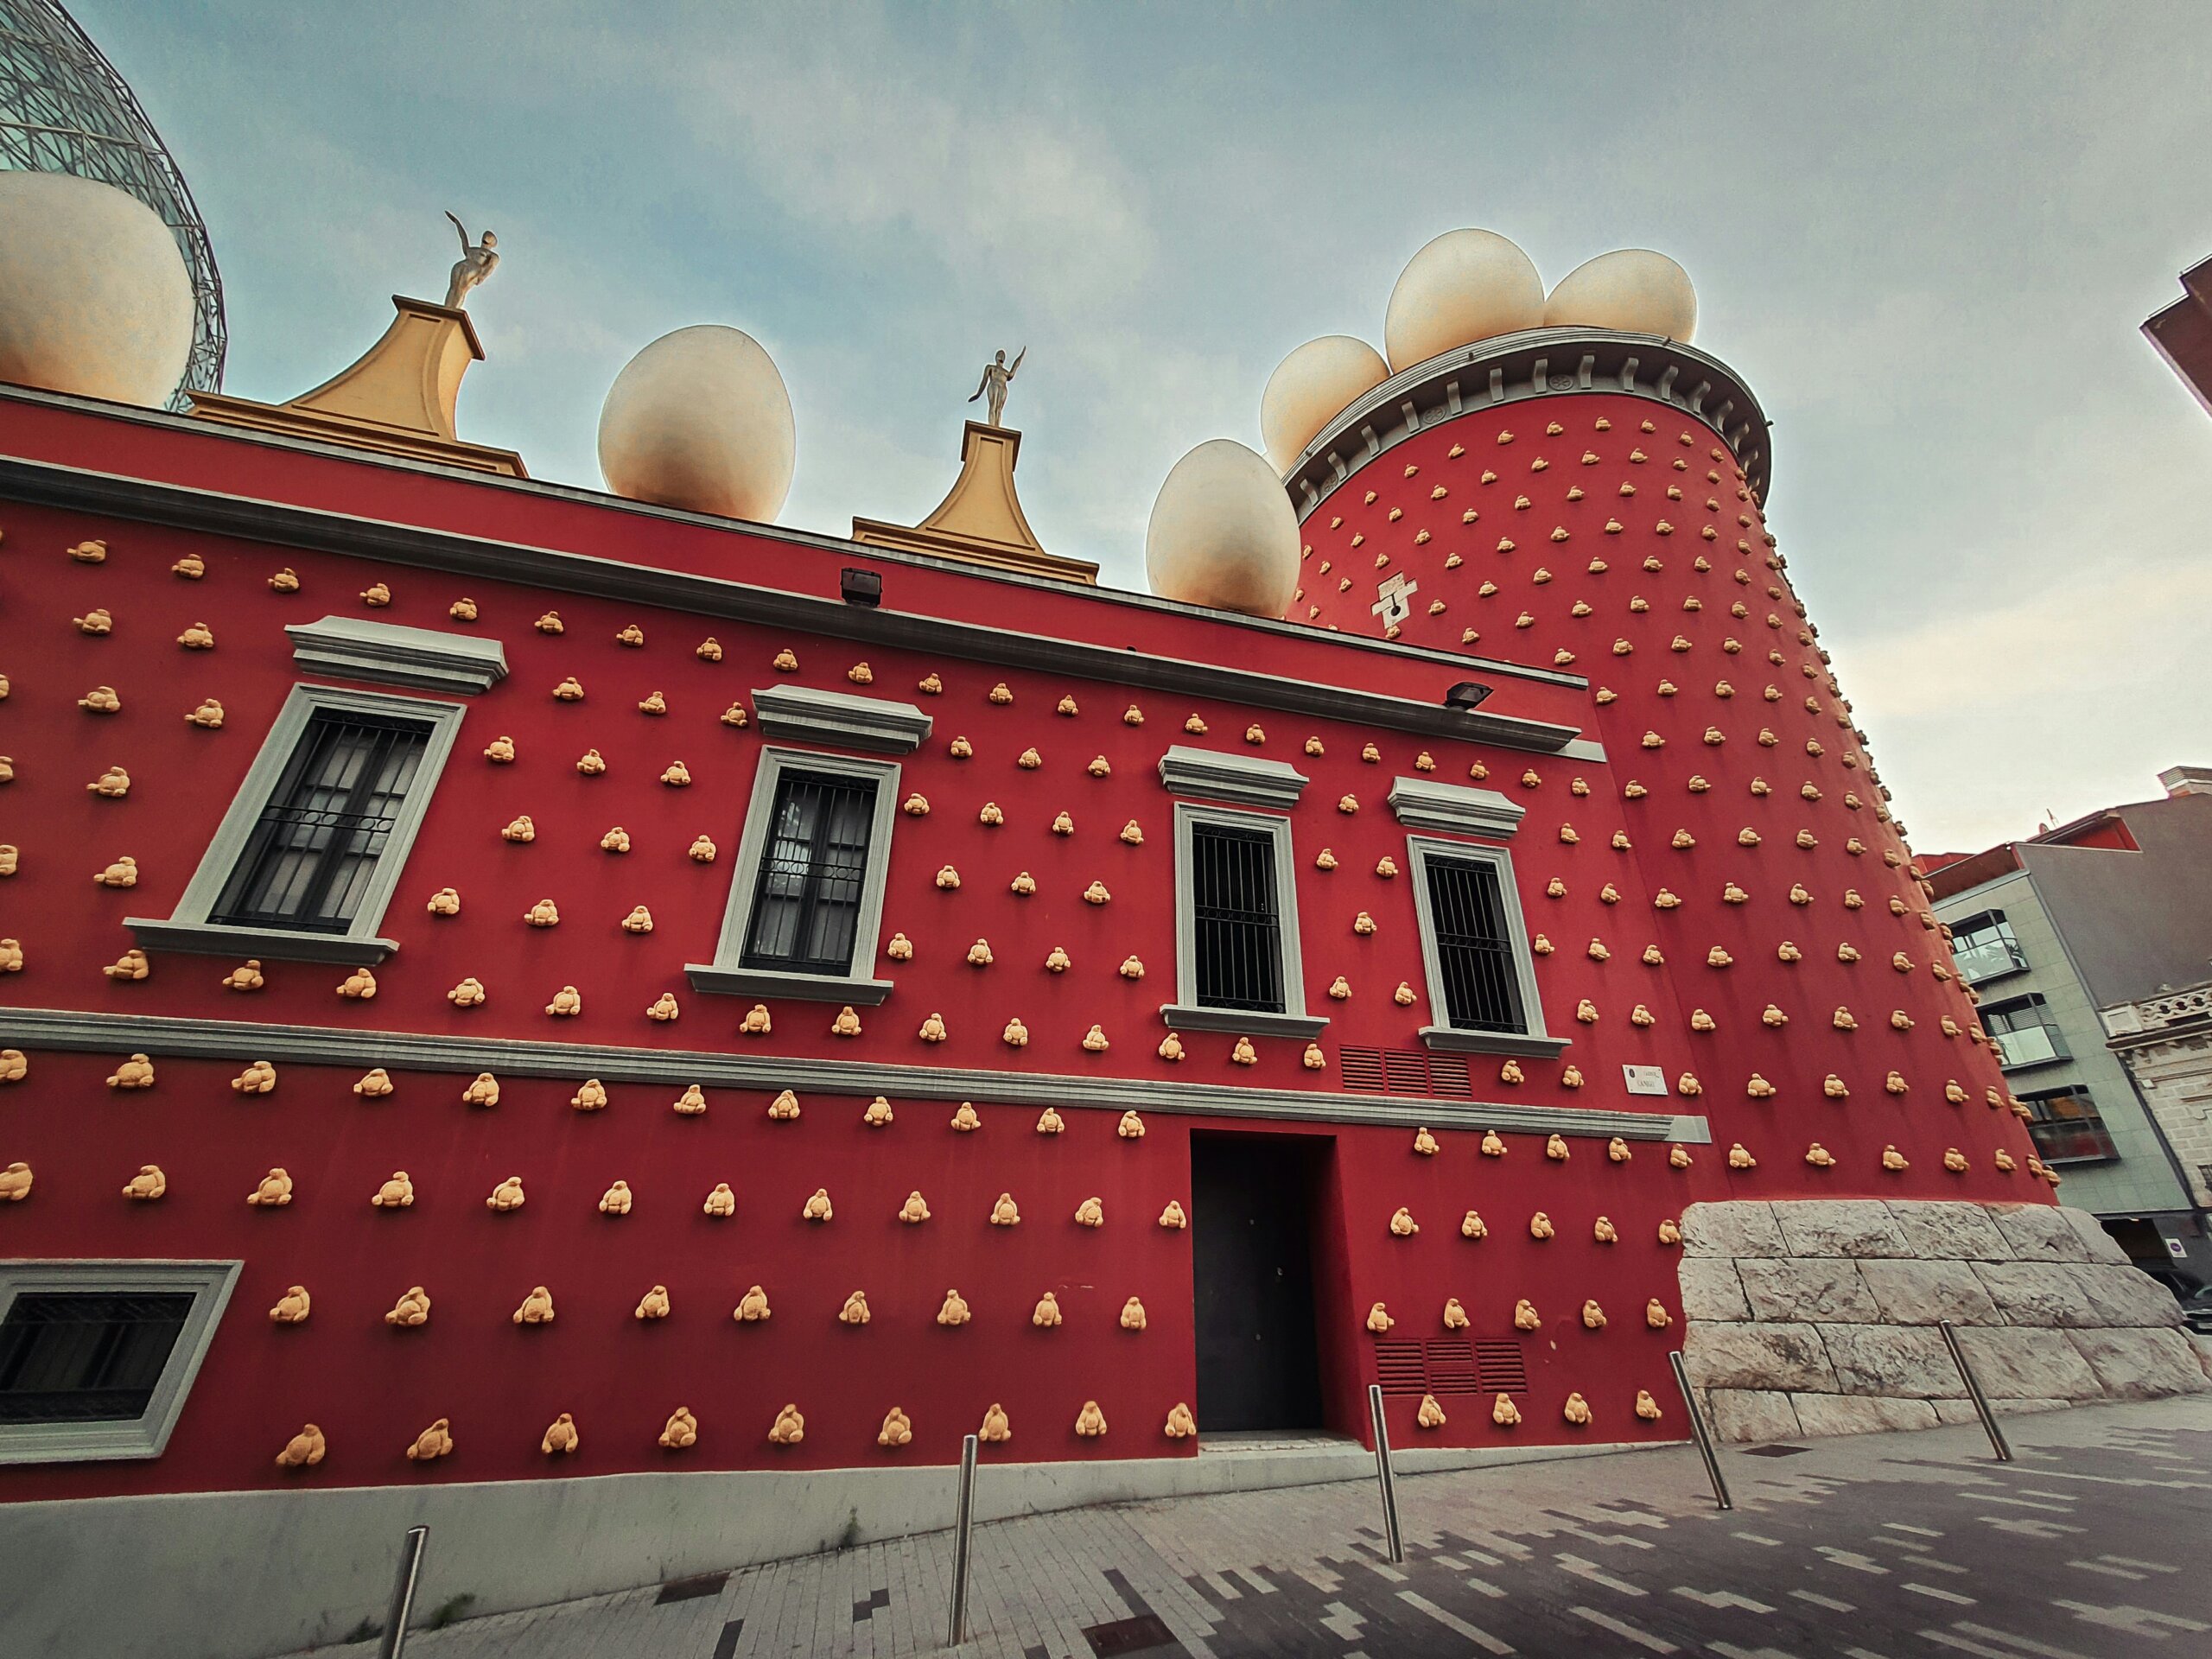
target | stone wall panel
[
  {"x": 1758, "y": 1356},
  {"x": 1898, "y": 1362},
  {"x": 1818, "y": 1316},
  {"x": 1752, "y": 1414},
  {"x": 2140, "y": 1365},
  {"x": 1839, "y": 1227},
  {"x": 1816, "y": 1288},
  {"x": 1712, "y": 1293},
  {"x": 1921, "y": 1293},
  {"x": 1739, "y": 1229},
  {"x": 2013, "y": 1362},
  {"x": 1950, "y": 1231}
]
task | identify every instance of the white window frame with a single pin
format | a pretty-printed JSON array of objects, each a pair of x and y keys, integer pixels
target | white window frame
[
  {"x": 189, "y": 929},
  {"x": 1536, "y": 1041},
  {"x": 1185, "y": 1012},
  {"x": 857, "y": 985},
  {"x": 145, "y": 1436}
]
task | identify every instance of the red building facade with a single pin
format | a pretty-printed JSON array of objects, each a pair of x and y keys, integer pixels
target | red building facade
[{"x": 1710, "y": 951}]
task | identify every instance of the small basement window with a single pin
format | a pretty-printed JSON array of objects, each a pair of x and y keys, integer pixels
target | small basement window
[{"x": 96, "y": 1356}]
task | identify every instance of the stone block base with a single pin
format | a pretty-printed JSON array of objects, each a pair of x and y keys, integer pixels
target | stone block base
[{"x": 1818, "y": 1316}]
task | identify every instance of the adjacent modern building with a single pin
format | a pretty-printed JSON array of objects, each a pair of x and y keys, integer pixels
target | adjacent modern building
[{"x": 2105, "y": 911}]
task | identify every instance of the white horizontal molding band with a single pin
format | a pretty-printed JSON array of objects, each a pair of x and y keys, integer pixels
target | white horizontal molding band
[
  {"x": 284, "y": 525},
  {"x": 162, "y": 1035}
]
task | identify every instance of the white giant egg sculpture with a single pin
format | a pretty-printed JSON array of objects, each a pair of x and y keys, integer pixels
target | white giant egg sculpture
[
  {"x": 95, "y": 296},
  {"x": 1463, "y": 287},
  {"x": 700, "y": 420},
  {"x": 1634, "y": 290},
  {"x": 1310, "y": 386},
  {"x": 1222, "y": 533}
]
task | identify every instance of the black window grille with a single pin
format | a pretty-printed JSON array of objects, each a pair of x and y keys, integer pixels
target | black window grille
[
  {"x": 1238, "y": 926},
  {"x": 312, "y": 852},
  {"x": 85, "y": 1357},
  {"x": 1474, "y": 945},
  {"x": 807, "y": 905}
]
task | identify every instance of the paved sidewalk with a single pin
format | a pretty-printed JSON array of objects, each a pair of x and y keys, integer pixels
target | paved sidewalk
[{"x": 2093, "y": 1544}]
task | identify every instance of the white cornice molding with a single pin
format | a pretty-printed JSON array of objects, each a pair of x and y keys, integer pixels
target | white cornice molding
[
  {"x": 1224, "y": 775},
  {"x": 1458, "y": 809},
  {"x": 281, "y": 524},
  {"x": 803, "y": 713},
  {"x": 388, "y": 653}
]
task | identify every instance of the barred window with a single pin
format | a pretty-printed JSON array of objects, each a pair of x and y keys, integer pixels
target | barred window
[
  {"x": 806, "y": 902},
  {"x": 1474, "y": 945},
  {"x": 311, "y": 855},
  {"x": 1239, "y": 925}
]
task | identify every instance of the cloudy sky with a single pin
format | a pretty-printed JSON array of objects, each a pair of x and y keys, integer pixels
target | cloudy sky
[{"x": 1925, "y": 233}]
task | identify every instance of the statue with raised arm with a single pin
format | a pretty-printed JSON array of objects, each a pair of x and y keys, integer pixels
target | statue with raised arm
[
  {"x": 476, "y": 263},
  {"x": 997, "y": 373}
]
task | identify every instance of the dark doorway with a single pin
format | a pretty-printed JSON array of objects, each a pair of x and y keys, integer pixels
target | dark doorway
[{"x": 1252, "y": 1206}]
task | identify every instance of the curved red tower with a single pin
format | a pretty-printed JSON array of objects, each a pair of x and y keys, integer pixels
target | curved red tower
[{"x": 1729, "y": 890}]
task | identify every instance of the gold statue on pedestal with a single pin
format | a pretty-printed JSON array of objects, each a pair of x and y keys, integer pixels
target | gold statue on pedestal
[
  {"x": 475, "y": 265},
  {"x": 998, "y": 374}
]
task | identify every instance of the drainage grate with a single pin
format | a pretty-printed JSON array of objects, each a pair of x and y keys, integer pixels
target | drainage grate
[
  {"x": 1774, "y": 1451},
  {"x": 707, "y": 1583},
  {"x": 1138, "y": 1634}
]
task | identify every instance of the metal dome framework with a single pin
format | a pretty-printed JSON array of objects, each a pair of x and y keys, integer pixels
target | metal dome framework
[{"x": 64, "y": 108}]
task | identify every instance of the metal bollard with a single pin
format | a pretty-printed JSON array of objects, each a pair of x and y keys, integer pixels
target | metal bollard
[
  {"x": 963, "y": 1521},
  {"x": 402, "y": 1594},
  {"x": 1383, "y": 1474},
  {"x": 1701, "y": 1434},
  {"x": 1997, "y": 1442}
]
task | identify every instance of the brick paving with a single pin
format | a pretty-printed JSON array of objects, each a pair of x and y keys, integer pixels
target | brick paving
[{"x": 1918, "y": 1546}]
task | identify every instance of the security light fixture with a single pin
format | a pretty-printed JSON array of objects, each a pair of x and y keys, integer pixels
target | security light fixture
[
  {"x": 1467, "y": 695},
  {"x": 859, "y": 586}
]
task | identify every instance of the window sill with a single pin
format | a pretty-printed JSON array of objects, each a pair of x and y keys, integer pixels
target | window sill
[
  {"x": 769, "y": 981},
  {"x": 270, "y": 943},
  {"x": 2009, "y": 1067},
  {"x": 1243, "y": 1021},
  {"x": 1453, "y": 1041}
]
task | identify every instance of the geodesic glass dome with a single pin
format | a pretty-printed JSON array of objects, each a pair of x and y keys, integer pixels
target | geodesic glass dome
[{"x": 63, "y": 109}]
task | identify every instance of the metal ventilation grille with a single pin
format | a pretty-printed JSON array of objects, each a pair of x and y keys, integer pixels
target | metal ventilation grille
[
  {"x": 1404, "y": 1072},
  {"x": 1398, "y": 1368},
  {"x": 1500, "y": 1369},
  {"x": 1360, "y": 1069},
  {"x": 1452, "y": 1366}
]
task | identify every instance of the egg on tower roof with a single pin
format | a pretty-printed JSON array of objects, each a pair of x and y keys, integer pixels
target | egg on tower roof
[
  {"x": 1631, "y": 290},
  {"x": 1464, "y": 286},
  {"x": 1310, "y": 386}
]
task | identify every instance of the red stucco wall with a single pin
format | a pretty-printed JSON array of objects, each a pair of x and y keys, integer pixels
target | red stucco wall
[{"x": 371, "y": 1389}]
